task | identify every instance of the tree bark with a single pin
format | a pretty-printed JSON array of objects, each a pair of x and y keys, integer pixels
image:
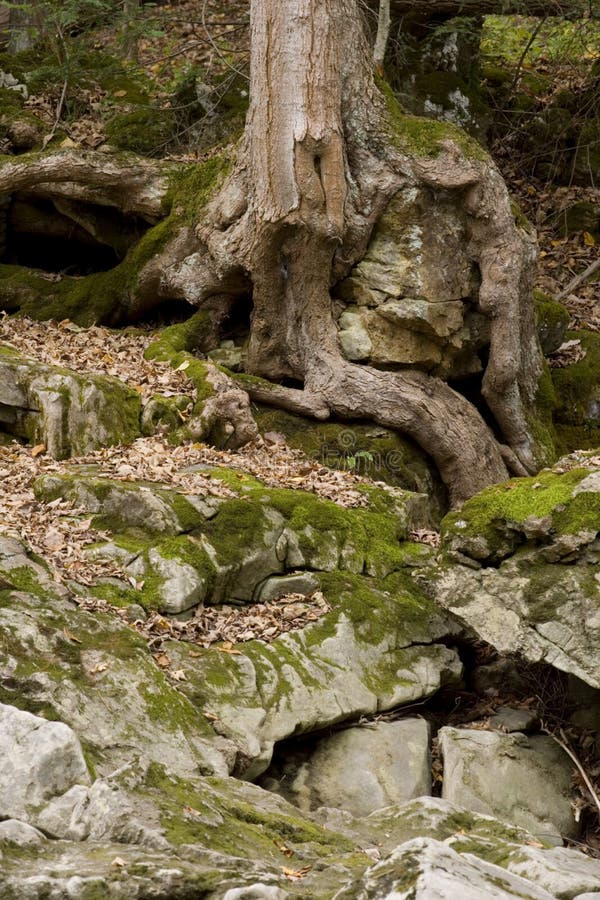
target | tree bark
[
  {"x": 315, "y": 173},
  {"x": 321, "y": 158}
]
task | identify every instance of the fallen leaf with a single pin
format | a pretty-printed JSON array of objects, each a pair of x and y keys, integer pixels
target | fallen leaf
[
  {"x": 38, "y": 449},
  {"x": 282, "y": 847},
  {"x": 118, "y": 861},
  {"x": 99, "y": 667},
  {"x": 178, "y": 675},
  {"x": 296, "y": 874},
  {"x": 70, "y": 636},
  {"x": 228, "y": 647},
  {"x": 163, "y": 660}
]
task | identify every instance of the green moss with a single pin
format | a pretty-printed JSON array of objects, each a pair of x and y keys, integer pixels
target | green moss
[
  {"x": 106, "y": 297},
  {"x": 576, "y": 385},
  {"x": 145, "y": 130},
  {"x": 496, "y": 514},
  {"x": 379, "y": 453},
  {"x": 225, "y": 819},
  {"x": 184, "y": 336},
  {"x": 23, "y": 578},
  {"x": 425, "y": 137},
  {"x": 552, "y": 321}
]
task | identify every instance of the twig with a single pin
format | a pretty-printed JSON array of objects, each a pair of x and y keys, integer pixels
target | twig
[
  {"x": 534, "y": 34},
  {"x": 564, "y": 745},
  {"x": 573, "y": 285}
]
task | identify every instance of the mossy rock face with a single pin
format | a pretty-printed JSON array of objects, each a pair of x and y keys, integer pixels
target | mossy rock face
[
  {"x": 96, "y": 674},
  {"x": 144, "y": 131},
  {"x": 225, "y": 547},
  {"x": 71, "y": 414},
  {"x": 544, "y": 510},
  {"x": 581, "y": 216},
  {"x": 577, "y": 389},
  {"x": 359, "y": 658},
  {"x": 378, "y": 453},
  {"x": 519, "y": 566}
]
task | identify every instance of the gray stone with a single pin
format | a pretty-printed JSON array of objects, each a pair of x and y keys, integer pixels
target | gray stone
[
  {"x": 112, "y": 694},
  {"x": 278, "y": 586},
  {"x": 20, "y": 834},
  {"x": 70, "y": 413},
  {"x": 542, "y": 602},
  {"x": 354, "y": 337},
  {"x": 182, "y": 585},
  {"x": 38, "y": 760},
  {"x": 339, "y": 667},
  {"x": 360, "y": 769},
  {"x": 228, "y": 356},
  {"x": 101, "y": 812},
  {"x": 561, "y": 871},
  {"x": 523, "y": 780},
  {"x": 256, "y": 892},
  {"x": 507, "y": 719},
  {"x": 424, "y": 869}
]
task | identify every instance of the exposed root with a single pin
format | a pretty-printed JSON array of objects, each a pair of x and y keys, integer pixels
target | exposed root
[{"x": 131, "y": 184}]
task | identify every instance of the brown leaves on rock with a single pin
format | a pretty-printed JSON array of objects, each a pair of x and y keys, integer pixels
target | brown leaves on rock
[
  {"x": 95, "y": 351},
  {"x": 222, "y": 627}
]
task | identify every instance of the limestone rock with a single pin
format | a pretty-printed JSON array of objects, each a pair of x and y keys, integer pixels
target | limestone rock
[
  {"x": 358, "y": 769},
  {"x": 101, "y": 812},
  {"x": 107, "y": 688},
  {"x": 523, "y": 780},
  {"x": 529, "y": 582},
  {"x": 375, "y": 650},
  {"x": 71, "y": 414},
  {"x": 19, "y": 834},
  {"x": 279, "y": 585},
  {"x": 256, "y": 892},
  {"x": 38, "y": 760},
  {"x": 425, "y": 868}
]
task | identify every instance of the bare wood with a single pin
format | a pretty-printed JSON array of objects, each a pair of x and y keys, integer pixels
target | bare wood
[
  {"x": 579, "y": 280},
  {"x": 130, "y": 183},
  {"x": 383, "y": 33}
]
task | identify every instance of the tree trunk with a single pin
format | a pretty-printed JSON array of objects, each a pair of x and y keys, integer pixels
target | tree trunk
[
  {"x": 315, "y": 172},
  {"x": 323, "y": 154}
]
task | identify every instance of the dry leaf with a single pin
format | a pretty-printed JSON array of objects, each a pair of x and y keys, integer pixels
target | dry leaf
[
  {"x": 296, "y": 874},
  {"x": 282, "y": 847},
  {"x": 38, "y": 449},
  {"x": 228, "y": 647},
  {"x": 99, "y": 667},
  {"x": 118, "y": 861},
  {"x": 162, "y": 660},
  {"x": 70, "y": 636},
  {"x": 178, "y": 675}
]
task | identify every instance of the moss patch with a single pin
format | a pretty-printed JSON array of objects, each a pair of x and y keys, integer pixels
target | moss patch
[
  {"x": 497, "y": 515},
  {"x": 425, "y": 137}
]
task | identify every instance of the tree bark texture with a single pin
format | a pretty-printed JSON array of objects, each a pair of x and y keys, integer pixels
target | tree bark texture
[{"x": 320, "y": 160}]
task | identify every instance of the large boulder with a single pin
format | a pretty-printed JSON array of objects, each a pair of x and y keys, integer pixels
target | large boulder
[
  {"x": 525, "y": 780},
  {"x": 71, "y": 414},
  {"x": 520, "y": 567},
  {"x": 357, "y": 769},
  {"x": 187, "y": 549},
  {"x": 39, "y": 760}
]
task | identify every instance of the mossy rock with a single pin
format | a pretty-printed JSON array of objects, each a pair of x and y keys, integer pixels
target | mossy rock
[
  {"x": 581, "y": 216},
  {"x": 538, "y": 510},
  {"x": 71, "y": 414},
  {"x": 578, "y": 386},
  {"x": 423, "y": 137},
  {"x": 378, "y": 453},
  {"x": 552, "y": 321}
]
